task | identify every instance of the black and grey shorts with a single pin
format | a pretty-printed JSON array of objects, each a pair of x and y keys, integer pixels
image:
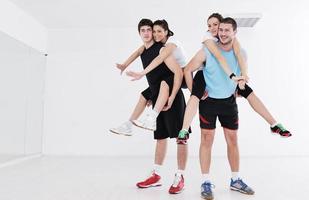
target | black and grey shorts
[{"x": 224, "y": 109}]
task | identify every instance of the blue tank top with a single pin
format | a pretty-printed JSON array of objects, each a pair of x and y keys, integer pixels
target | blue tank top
[{"x": 218, "y": 84}]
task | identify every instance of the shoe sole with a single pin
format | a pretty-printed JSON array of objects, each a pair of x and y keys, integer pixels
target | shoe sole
[
  {"x": 140, "y": 126},
  {"x": 148, "y": 186},
  {"x": 182, "y": 143},
  {"x": 241, "y": 191},
  {"x": 207, "y": 198},
  {"x": 119, "y": 133},
  {"x": 180, "y": 191},
  {"x": 275, "y": 133}
]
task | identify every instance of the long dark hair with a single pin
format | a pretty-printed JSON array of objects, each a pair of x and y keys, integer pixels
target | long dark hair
[
  {"x": 216, "y": 15},
  {"x": 164, "y": 25}
]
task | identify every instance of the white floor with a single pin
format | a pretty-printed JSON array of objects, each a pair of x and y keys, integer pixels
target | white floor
[
  {"x": 8, "y": 157},
  {"x": 113, "y": 178}
]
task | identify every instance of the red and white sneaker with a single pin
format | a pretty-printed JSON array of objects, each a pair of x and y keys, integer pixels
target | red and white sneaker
[
  {"x": 178, "y": 185},
  {"x": 152, "y": 181}
]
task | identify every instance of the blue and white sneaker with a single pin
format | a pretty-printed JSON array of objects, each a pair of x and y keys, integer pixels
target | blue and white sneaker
[
  {"x": 206, "y": 190},
  {"x": 240, "y": 186}
]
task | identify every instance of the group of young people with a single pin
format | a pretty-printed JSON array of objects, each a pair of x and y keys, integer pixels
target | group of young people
[{"x": 221, "y": 76}]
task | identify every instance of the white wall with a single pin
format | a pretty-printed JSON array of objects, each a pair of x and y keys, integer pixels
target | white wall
[
  {"x": 22, "y": 73},
  {"x": 21, "y": 26},
  {"x": 23, "y": 42},
  {"x": 85, "y": 96}
]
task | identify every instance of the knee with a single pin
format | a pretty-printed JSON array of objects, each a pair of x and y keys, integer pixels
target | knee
[
  {"x": 161, "y": 142},
  {"x": 232, "y": 140},
  {"x": 142, "y": 99},
  {"x": 207, "y": 140},
  {"x": 164, "y": 86}
]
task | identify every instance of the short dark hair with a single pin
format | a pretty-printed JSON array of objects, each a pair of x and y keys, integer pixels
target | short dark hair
[
  {"x": 216, "y": 15},
  {"x": 230, "y": 20},
  {"x": 144, "y": 22},
  {"x": 163, "y": 23}
]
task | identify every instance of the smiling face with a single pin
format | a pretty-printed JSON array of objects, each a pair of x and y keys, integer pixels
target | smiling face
[
  {"x": 159, "y": 34},
  {"x": 226, "y": 33},
  {"x": 213, "y": 26},
  {"x": 146, "y": 33}
]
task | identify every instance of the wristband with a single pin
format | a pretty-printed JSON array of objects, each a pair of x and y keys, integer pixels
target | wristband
[{"x": 232, "y": 75}]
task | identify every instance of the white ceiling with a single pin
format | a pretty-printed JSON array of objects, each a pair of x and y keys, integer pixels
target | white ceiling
[
  {"x": 59, "y": 14},
  {"x": 63, "y": 14},
  {"x": 71, "y": 13},
  {"x": 95, "y": 13}
]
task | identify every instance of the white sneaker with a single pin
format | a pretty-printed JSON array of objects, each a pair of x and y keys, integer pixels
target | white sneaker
[
  {"x": 148, "y": 123},
  {"x": 123, "y": 129}
]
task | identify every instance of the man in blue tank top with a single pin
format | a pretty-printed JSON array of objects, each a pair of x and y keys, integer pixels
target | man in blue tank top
[{"x": 220, "y": 104}]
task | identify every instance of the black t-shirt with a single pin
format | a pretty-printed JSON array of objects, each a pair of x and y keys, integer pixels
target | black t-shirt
[{"x": 161, "y": 72}]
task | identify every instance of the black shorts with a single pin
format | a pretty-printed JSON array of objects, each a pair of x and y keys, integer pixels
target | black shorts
[
  {"x": 152, "y": 92},
  {"x": 246, "y": 92},
  {"x": 199, "y": 85},
  {"x": 169, "y": 122},
  {"x": 155, "y": 88},
  {"x": 225, "y": 109},
  {"x": 147, "y": 94}
]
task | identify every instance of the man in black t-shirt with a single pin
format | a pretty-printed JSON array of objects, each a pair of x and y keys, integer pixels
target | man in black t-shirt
[{"x": 169, "y": 122}]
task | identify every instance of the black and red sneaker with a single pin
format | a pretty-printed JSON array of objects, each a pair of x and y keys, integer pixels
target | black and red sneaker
[
  {"x": 279, "y": 129},
  {"x": 183, "y": 136}
]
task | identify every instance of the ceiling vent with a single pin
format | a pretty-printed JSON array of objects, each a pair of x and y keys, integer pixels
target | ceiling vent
[{"x": 245, "y": 19}]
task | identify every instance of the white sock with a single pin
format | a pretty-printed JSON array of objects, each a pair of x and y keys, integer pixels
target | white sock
[
  {"x": 180, "y": 172},
  {"x": 157, "y": 168},
  {"x": 205, "y": 178},
  {"x": 274, "y": 124},
  {"x": 235, "y": 176},
  {"x": 154, "y": 113}
]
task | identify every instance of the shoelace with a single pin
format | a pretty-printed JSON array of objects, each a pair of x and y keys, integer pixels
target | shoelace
[
  {"x": 124, "y": 126},
  {"x": 182, "y": 134},
  {"x": 176, "y": 181},
  {"x": 207, "y": 187},
  {"x": 148, "y": 118},
  {"x": 151, "y": 174},
  {"x": 243, "y": 185},
  {"x": 281, "y": 127}
]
